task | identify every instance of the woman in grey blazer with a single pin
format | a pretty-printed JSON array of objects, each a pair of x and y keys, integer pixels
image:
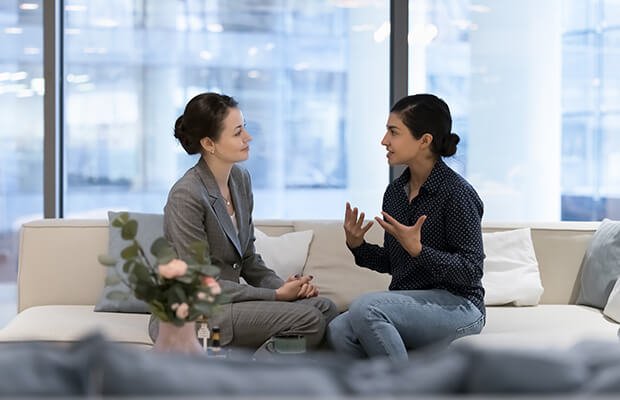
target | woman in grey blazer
[{"x": 213, "y": 201}]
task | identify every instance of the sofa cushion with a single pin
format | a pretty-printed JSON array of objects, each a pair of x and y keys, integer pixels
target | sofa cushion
[
  {"x": 150, "y": 227},
  {"x": 511, "y": 273},
  {"x": 601, "y": 268},
  {"x": 543, "y": 326},
  {"x": 333, "y": 267},
  {"x": 285, "y": 254},
  {"x": 70, "y": 323}
]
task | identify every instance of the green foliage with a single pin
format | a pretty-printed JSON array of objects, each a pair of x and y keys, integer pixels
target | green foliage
[
  {"x": 106, "y": 260},
  {"x": 176, "y": 290},
  {"x": 112, "y": 280}
]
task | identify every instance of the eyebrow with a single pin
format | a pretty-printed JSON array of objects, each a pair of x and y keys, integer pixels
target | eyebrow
[{"x": 391, "y": 126}]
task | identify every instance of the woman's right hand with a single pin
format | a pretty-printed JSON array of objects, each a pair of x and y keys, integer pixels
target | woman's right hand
[
  {"x": 354, "y": 227},
  {"x": 292, "y": 289}
]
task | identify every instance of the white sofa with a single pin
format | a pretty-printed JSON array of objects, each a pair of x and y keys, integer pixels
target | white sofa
[{"x": 60, "y": 280}]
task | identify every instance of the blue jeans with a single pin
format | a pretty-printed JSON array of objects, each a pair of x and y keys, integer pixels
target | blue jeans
[{"x": 391, "y": 323}]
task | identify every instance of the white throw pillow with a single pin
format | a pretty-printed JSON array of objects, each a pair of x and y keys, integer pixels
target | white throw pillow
[
  {"x": 511, "y": 273},
  {"x": 285, "y": 254},
  {"x": 612, "y": 309}
]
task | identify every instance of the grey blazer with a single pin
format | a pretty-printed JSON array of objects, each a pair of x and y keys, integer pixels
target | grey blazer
[{"x": 196, "y": 210}]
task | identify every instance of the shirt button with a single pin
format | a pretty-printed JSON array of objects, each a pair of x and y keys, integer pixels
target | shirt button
[{"x": 235, "y": 266}]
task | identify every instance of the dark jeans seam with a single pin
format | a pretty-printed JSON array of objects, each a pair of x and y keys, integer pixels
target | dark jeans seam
[{"x": 479, "y": 321}]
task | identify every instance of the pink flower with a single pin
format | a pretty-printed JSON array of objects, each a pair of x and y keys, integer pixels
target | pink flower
[
  {"x": 201, "y": 295},
  {"x": 173, "y": 269},
  {"x": 212, "y": 284},
  {"x": 182, "y": 311},
  {"x": 215, "y": 289}
]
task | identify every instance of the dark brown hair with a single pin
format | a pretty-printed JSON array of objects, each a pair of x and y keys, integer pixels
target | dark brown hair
[
  {"x": 427, "y": 113},
  {"x": 203, "y": 117}
]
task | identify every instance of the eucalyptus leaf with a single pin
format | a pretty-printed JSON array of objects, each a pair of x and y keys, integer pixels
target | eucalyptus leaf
[
  {"x": 147, "y": 293},
  {"x": 185, "y": 279},
  {"x": 165, "y": 259},
  {"x": 141, "y": 272},
  {"x": 160, "y": 314},
  {"x": 107, "y": 260},
  {"x": 161, "y": 247},
  {"x": 123, "y": 217},
  {"x": 210, "y": 270},
  {"x": 180, "y": 293},
  {"x": 157, "y": 305},
  {"x": 204, "y": 308},
  {"x": 194, "y": 314},
  {"x": 128, "y": 266},
  {"x": 129, "y": 230},
  {"x": 198, "y": 250},
  {"x": 112, "y": 280},
  {"x": 130, "y": 252}
]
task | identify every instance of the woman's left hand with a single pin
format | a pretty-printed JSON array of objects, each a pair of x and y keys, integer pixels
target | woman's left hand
[
  {"x": 306, "y": 290},
  {"x": 410, "y": 237}
]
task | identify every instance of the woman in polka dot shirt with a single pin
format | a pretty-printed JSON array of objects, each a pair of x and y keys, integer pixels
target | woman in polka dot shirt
[{"x": 432, "y": 245}]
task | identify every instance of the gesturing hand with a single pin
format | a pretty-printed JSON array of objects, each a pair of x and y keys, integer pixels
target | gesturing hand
[
  {"x": 408, "y": 236},
  {"x": 353, "y": 229}
]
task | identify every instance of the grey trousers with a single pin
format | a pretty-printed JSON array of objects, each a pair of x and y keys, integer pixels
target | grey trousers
[{"x": 253, "y": 322}]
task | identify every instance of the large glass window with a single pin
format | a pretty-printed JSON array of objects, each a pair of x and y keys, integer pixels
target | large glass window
[
  {"x": 311, "y": 78},
  {"x": 533, "y": 87},
  {"x": 21, "y": 134}
]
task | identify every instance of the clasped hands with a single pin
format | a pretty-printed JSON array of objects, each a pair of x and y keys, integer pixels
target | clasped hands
[
  {"x": 408, "y": 236},
  {"x": 297, "y": 287}
]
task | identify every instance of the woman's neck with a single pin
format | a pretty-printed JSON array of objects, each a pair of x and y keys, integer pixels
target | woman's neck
[
  {"x": 420, "y": 170},
  {"x": 220, "y": 171}
]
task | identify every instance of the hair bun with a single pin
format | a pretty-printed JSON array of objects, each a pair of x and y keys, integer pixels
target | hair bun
[
  {"x": 455, "y": 138},
  {"x": 179, "y": 129},
  {"x": 184, "y": 138},
  {"x": 449, "y": 145}
]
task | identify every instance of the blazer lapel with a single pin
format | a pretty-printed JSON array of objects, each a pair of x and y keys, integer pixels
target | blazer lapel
[
  {"x": 218, "y": 204},
  {"x": 241, "y": 207}
]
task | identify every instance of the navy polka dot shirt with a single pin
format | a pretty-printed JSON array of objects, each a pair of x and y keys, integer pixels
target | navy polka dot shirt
[{"x": 452, "y": 252}]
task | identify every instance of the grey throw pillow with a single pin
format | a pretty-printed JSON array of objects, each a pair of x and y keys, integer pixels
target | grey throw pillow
[
  {"x": 150, "y": 227},
  {"x": 601, "y": 267}
]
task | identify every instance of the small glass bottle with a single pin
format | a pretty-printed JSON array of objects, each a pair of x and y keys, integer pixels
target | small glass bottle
[{"x": 215, "y": 350}]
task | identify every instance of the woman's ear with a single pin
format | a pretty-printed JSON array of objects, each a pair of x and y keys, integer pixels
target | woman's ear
[
  {"x": 427, "y": 139},
  {"x": 207, "y": 144}
]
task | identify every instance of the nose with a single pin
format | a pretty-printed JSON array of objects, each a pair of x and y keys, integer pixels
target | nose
[
  {"x": 384, "y": 141},
  {"x": 248, "y": 137}
]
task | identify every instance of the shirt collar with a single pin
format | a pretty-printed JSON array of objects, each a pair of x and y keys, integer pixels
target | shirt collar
[{"x": 434, "y": 181}]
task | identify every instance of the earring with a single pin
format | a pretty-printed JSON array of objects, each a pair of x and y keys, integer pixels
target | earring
[{"x": 212, "y": 151}]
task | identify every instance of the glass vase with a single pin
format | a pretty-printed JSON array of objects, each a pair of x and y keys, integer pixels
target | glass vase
[{"x": 177, "y": 339}]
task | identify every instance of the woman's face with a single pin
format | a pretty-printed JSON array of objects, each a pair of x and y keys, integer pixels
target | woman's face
[
  {"x": 233, "y": 144},
  {"x": 401, "y": 146}
]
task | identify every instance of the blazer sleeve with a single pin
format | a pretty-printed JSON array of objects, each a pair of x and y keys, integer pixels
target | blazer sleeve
[{"x": 183, "y": 218}]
